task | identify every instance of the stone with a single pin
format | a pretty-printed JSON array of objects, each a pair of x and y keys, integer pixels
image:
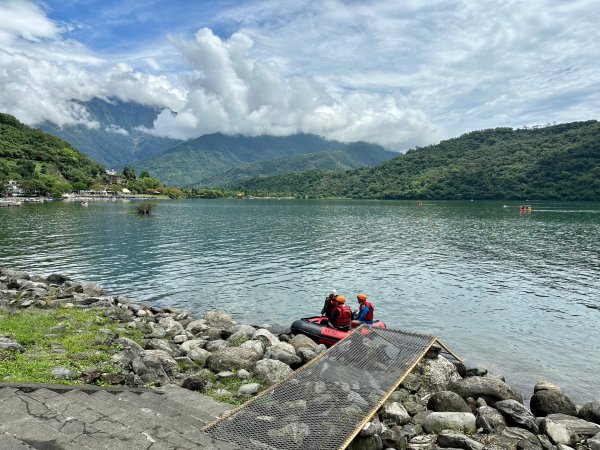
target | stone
[
  {"x": 265, "y": 336},
  {"x": 224, "y": 374},
  {"x": 217, "y": 345},
  {"x": 366, "y": 443},
  {"x": 371, "y": 428},
  {"x": 394, "y": 413},
  {"x": 171, "y": 326},
  {"x": 544, "y": 385},
  {"x": 283, "y": 352},
  {"x": 447, "y": 401},
  {"x": 517, "y": 413},
  {"x": 433, "y": 352},
  {"x": 590, "y": 412},
  {"x": 271, "y": 370},
  {"x": 456, "y": 440},
  {"x": 13, "y": 273},
  {"x": 248, "y": 389},
  {"x": 232, "y": 358},
  {"x": 256, "y": 346},
  {"x": 436, "y": 374},
  {"x": 62, "y": 373},
  {"x": 197, "y": 326},
  {"x": 551, "y": 401},
  {"x": 155, "y": 366},
  {"x": 126, "y": 343},
  {"x": 162, "y": 344},
  {"x": 320, "y": 349},
  {"x": 455, "y": 421},
  {"x": 294, "y": 432},
  {"x": 594, "y": 442},
  {"x": 489, "y": 419},
  {"x": 185, "y": 363},
  {"x": 422, "y": 442},
  {"x": 302, "y": 341},
  {"x": 241, "y": 333},
  {"x": 218, "y": 319},
  {"x": 187, "y": 346},
  {"x": 180, "y": 338},
  {"x": 412, "y": 383},
  {"x": 568, "y": 430},
  {"x": 306, "y": 354},
  {"x": 10, "y": 344},
  {"x": 511, "y": 438},
  {"x": 243, "y": 374},
  {"x": 90, "y": 376},
  {"x": 194, "y": 383},
  {"x": 112, "y": 378},
  {"x": 476, "y": 372},
  {"x": 199, "y": 356},
  {"x": 490, "y": 389},
  {"x": 413, "y": 405},
  {"x": 56, "y": 278}
]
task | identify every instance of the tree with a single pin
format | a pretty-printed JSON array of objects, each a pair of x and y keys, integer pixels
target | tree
[
  {"x": 129, "y": 173},
  {"x": 145, "y": 174}
]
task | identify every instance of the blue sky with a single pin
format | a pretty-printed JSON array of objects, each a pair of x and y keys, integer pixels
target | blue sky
[{"x": 396, "y": 73}]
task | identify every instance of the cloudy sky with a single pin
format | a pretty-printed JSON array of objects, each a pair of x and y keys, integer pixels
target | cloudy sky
[{"x": 398, "y": 73}]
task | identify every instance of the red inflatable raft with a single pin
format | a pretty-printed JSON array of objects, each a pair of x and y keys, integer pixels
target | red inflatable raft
[{"x": 318, "y": 329}]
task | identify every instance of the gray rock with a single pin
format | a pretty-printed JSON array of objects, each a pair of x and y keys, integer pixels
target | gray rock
[
  {"x": 568, "y": 430},
  {"x": 306, "y": 354},
  {"x": 422, "y": 442},
  {"x": 10, "y": 344},
  {"x": 436, "y": 374},
  {"x": 56, "y": 278},
  {"x": 271, "y": 370},
  {"x": 62, "y": 373},
  {"x": 248, "y": 389},
  {"x": 219, "y": 319},
  {"x": 594, "y": 442},
  {"x": 413, "y": 404},
  {"x": 320, "y": 349},
  {"x": 112, "y": 378},
  {"x": 545, "y": 386},
  {"x": 490, "y": 389},
  {"x": 217, "y": 345},
  {"x": 185, "y": 363},
  {"x": 265, "y": 336},
  {"x": 243, "y": 374},
  {"x": 171, "y": 326},
  {"x": 455, "y": 421},
  {"x": 372, "y": 442},
  {"x": 412, "y": 383},
  {"x": 224, "y": 374},
  {"x": 93, "y": 290},
  {"x": 232, "y": 358},
  {"x": 518, "y": 414},
  {"x": 301, "y": 341},
  {"x": 420, "y": 417},
  {"x": 216, "y": 334},
  {"x": 162, "y": 344},
  {"x": 13, "y": 273},
  {"x": 447, "y": 401},
  {"x": 371, "y": 428},
  {"x": 256, "y": 346},
  {"x": 194, "y": 383},
  {"x": 294, "y": 432},
  {"x": 590, "y": 412},
  {"x": 241, "y": 332},
  {"x": 489, "y": 419},
  {"x": 199, "y": 356},
  {"x": 553, "y": 401},
  {"x": 456, "y": 440},
  {"x": 127, "y": 343},
  {"x": 394, "y": 414},
  {"x": 192, "y": 343},
  {"x": 283, "y": 352},
  {"x": 180, "y": 338},
  {"x": 511, "y": 438},
  {"x": 90, "y": 376},
  {"x": 155, "y": 366},
  {"x": 197, "y": 326}
]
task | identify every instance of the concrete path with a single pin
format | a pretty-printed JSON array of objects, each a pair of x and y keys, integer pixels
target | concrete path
[{"x": 45, "y": 419}]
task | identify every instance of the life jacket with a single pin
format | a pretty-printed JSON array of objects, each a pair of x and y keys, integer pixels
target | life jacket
[
  {"x": 370, "y": 313},
  {"x": 344, "y": 317}
]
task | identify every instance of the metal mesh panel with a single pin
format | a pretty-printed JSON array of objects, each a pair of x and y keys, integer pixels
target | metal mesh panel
[{"x": 323, "y": 405}]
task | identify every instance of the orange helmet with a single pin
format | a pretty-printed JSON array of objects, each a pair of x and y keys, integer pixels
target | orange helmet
[
  {"x": 361, "y": 297},
  {"x": 341, "y": 299}
]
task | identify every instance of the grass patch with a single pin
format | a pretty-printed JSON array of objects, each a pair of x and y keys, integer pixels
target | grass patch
[
  {"x": 231, "y": 384},
  {"x": 72, "y": 338}
]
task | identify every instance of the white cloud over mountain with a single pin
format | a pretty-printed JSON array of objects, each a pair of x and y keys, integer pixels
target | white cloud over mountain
[{"x": 396, "y": 73}]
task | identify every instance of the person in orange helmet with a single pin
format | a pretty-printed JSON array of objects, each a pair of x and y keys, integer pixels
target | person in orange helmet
[
  {"x": 341, "y": 317},
  {"x": 365, "y": 310}
]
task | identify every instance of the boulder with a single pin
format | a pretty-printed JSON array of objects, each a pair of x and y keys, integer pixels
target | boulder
[
  {"x": 518, "y": 414},
  {"x": 241, "y": 333},
  {"x": 215, "y": 346},
  {"x": 271, "y": 370},
  {"x": 590, "y": 412},
  {"x": 93, "y": 290},
  {"x": 161, "y": 344},
  {"x": 62, "y": 373},
  {"x": 545, "y": 402},
  {"x": 306, "y": 354},
  {"x": 194, "y": 383},
  {"x": 372, "y": 442},
  {"x": 199, "y": 356},
  {"x": 171, "y": 326},
  {"x": 301, "y": 341},
  {"x": 394, "y": 413},
  {"x": 155, "y": 366},
  {"x": 265, "y": 336},
  {"x": 511, "y": 438},
  {"x": 594, "y": 442},
  {"x": 283, "y": 352},
  {"x": 371, "y": 428},
  {"x": 455, "y": 421},
  {"x": 56, "y": 278},
  {"x": 197, "y": 326},
  {"x": 447, "y": 401},
  {"x": 187, "y": 346},
  {"x": 13, "y": 273},
  {"x": 544, "y": 385},
  {"x": 568, "y": 430},
  {"x": 491, "y": 389},
  {"x": 232, "y": 358},
  {"x": 450, "y": 439},
  {"x": 248, "y": 389},
  {"x": 412, "y": 383},
  {"x": 436, "y": 374},
  {"x": 489, "y": 419},
  {"x": 10, "y": 344},
  {"x": 256, "y": 346},
  {"x": 219, "y": 319}
]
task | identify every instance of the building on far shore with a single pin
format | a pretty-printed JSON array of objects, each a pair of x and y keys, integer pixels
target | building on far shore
[
  {"x": 14, "y": 189},
  {"x": 113, "y": 177}
]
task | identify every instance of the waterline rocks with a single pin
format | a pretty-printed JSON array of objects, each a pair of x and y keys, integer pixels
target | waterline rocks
[{"x": 440, "y": 404}]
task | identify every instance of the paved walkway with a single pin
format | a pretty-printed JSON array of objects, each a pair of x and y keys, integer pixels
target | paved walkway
[{"x": 45, "y": 419}]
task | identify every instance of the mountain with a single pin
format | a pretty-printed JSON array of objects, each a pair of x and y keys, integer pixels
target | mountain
[
  {"x": 553, "y": 162},
  {"x": 118, "y": 140},
  {"x": 40, "y": 162},
  {"x": 202, "y": 161}
]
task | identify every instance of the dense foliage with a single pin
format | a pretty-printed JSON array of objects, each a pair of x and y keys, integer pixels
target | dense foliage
[
  {"x": 221, "y": 160},
  {"x": 41, "y": 163},
  {"x": 553, "y": 162}
]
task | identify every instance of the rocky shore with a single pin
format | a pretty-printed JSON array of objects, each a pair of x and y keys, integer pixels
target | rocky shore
[{"x": 440, "y": 404}]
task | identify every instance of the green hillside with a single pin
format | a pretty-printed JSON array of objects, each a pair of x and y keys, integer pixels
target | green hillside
[
  {"x": 201, "y": 161},
  {"x": 118, "y": 140},
  {"x": 351, "y": 156},
  {"x": 555, "y": 162},
  {"x": 41, "y": 163}
]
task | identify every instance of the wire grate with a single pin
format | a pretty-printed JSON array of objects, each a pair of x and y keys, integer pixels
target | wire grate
[{"x": 324, "y": 404}]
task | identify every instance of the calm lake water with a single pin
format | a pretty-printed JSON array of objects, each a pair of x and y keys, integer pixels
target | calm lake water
[{"x": 519, "y": 294}]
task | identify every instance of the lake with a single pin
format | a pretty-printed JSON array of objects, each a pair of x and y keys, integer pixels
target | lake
[{"x": 516, "y": 293}]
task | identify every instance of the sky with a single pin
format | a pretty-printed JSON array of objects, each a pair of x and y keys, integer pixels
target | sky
[{"x": 398, "y": 73}]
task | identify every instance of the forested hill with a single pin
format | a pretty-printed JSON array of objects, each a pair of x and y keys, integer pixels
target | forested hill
[
  {"x": 554, "y": 162},
  {"x": 40, "y": 162}
]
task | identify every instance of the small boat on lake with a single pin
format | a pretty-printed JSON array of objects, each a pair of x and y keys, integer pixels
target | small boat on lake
[{"x": 318, "y": 329}]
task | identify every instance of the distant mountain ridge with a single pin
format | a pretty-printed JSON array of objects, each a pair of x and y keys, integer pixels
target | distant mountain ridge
[
  {"x": 554, "y": 162},
  {"x": 119, "y": 140},
  {"x": 221, "y": 160}
]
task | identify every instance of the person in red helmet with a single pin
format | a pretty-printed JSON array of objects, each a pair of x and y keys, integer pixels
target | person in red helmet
[
  {"x": 365, "y": 310},
  {"x": 341, "y": 317}
]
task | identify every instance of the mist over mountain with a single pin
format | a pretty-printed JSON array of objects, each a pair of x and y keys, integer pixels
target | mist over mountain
[{"x": 118, "y": 139}]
